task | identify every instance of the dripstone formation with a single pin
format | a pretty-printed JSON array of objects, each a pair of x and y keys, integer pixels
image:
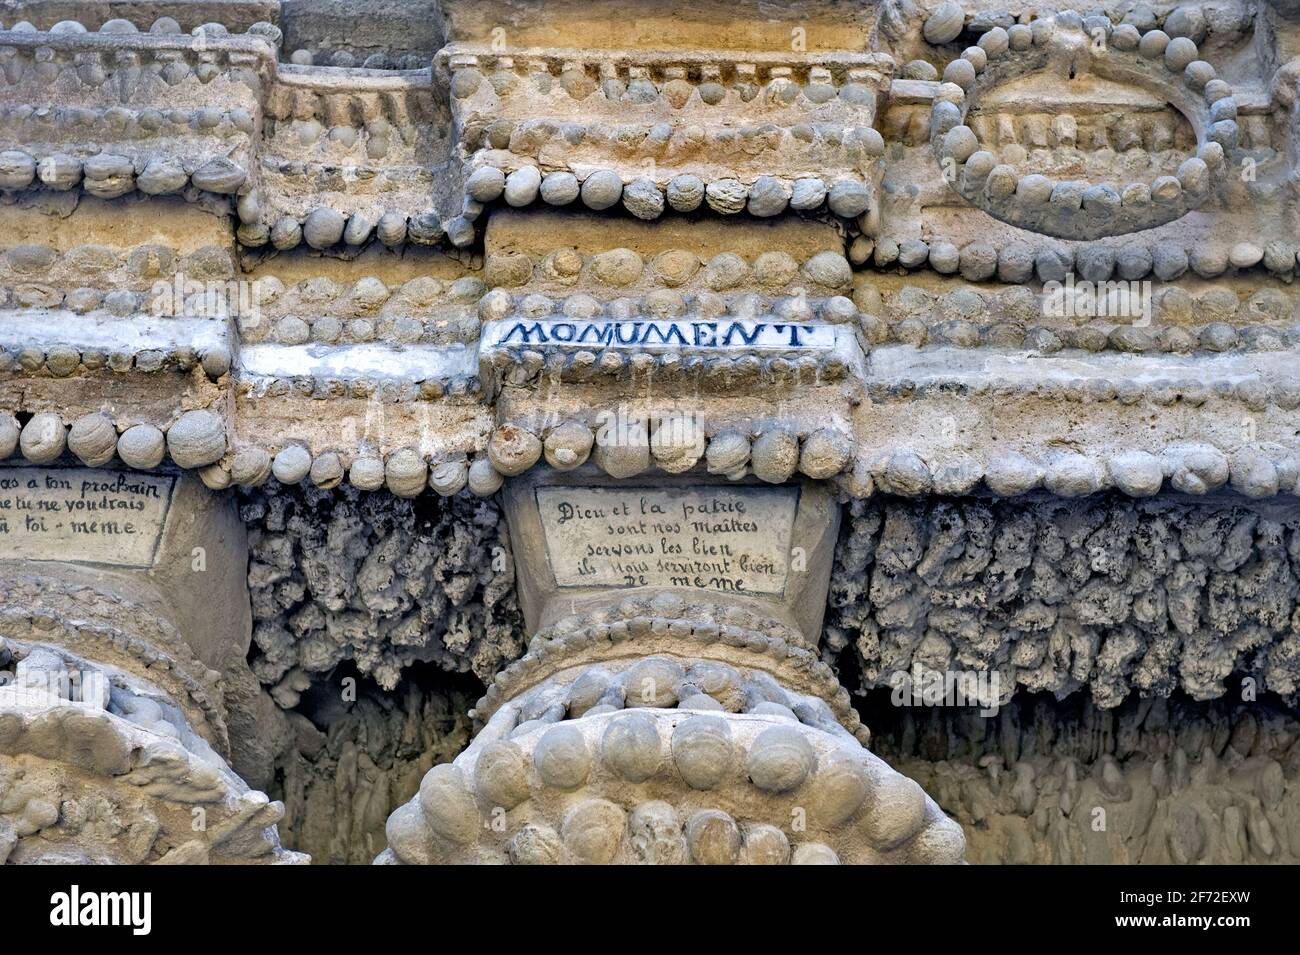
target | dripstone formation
[{"x": 437, "y": 431}]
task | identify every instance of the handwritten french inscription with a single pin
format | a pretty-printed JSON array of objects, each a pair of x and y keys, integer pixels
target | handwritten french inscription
[
  {"x": 735, "y": 540},
  {"x": 82, "y": 515}
]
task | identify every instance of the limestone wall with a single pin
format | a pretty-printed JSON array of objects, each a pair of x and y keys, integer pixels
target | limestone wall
[{"x": 389, "y": 389}]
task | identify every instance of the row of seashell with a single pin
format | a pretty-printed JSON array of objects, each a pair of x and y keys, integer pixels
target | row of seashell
[
  {"x": 1157, "y": 135},
  {"x": 692, "y": 628},
  {"x": 783, "y": 766},
  {"x": 524, "y": 367},
  {"x": 1253, "y": 391},
  {"x": 1080, "y": 209},
  {"x": 449, "y": 332},
  {"x": 676, "y": 84},
  {"x": 643, "y": 197},
  {"x": 347, "y": 59},
  {"x": 62, "y": 361},
  {"x": 1259, "y": 322},
  {"x": 325, "y": 226},
  {"x": 108, "y": 176},
  {"x": 167, "y": 26},
  {"x": 774, "y": 456},
  {"x": 392, "y": 391},
  {"x": 123, "y": 123},
  {"x": 724, "y": 271},
  {"x": 947, "y": 21},
  {"x": 1189, "y": 467},
  {"x": 673, "y": 268},
  {"x": 196, "y": 439},
  {"x": 162, "y": 26},
  {"x": 64, "y": 59},
  {"x": 1215, "y": 337},
  {"x": 600, "y": 832},
  {"x": 837, "y": 145},
  {"x": 665, "y": 682},
  {"x": 1019, "y": 261}
]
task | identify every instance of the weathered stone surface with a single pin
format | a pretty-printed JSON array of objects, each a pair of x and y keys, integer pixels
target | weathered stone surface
[
  {"x": 381, "y": 567},
  {"x": 681, "y": 291},
  {"x": 1024, "y": 574}
]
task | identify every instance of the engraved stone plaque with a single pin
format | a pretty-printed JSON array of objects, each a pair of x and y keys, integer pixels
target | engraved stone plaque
[
  {"x": 729, "y": 539},
  {"x": 82, "y": 515}
]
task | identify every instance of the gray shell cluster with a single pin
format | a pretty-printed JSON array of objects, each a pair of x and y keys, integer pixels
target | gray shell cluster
[
  {"x": 1166, "y": 259},
  {"x": 626, "y": 449},
  {"x": 768, "y": 645},
  {"x": 195, "y": 439},
  {"x": 678, "y": 81},
  {"x": 108, "y": 176},
  {"x": 1191, "y": 467},
  {"x": 574, "y": 792},
  {"x": 1079, "y": 210},
  {"x": 64, "y": 361},
  {"x": 646, "y": 198}
]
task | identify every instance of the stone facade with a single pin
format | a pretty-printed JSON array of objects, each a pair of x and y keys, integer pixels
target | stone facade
[{"x": 437, "y": 431}]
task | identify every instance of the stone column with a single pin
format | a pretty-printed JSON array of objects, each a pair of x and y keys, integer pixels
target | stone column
[
  {"x": 671, "y": 707},
  {"x": 123, "y": 625}
]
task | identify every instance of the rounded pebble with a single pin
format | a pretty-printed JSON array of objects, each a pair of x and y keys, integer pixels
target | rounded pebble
[
  {"x": 944, "y": 25},
  {"x": 485, "y": 184},
  {"x": 93, "y": 439},
  {"x": 895, "y": 811},
  {"x": 522, "y": 186},
  {"x": 512, "y": 450},
  {"x": 292, "y": 463},
  {"x": 562, "y": 757},
  {"x": 631, "y": 747},
  {"x": 713, "y": 838},
  {"x": 198, "y": 438},
  {"x": 501, "y": 774},
  {"x": 484, "y": 479},
  {"x": 250, "y": 467},
  {"x": 447, "y": 804},
  {"x": 9, "y": 432},
  {"x": 602, "y": 189},
  {"x": 141, "y": 446},
  {"x": 826, "y": 452},
  {"x": 703, "y": 751},
  {"x": 405, "y": 472},
  {"x": 593, "y": 831},
  {"x": 774, "y": 456},
  {"x": 780, "y": 759},
  {"x": 43, "y": 438}
]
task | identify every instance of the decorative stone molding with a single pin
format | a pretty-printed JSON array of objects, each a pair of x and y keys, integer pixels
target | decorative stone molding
[
  {"x": 695, "y": 784},
  {"x": 656, "y": 130},
  {"x": 534, "y": 353},
  {"x": 117, "y": 778},
  {"x": 734, "y": 743},
  {"x": 1062, "y": 47},
  {"x": 114, "y": 728}
]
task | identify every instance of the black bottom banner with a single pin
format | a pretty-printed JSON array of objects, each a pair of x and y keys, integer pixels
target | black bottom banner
[{"x": 341, "y": 905}]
